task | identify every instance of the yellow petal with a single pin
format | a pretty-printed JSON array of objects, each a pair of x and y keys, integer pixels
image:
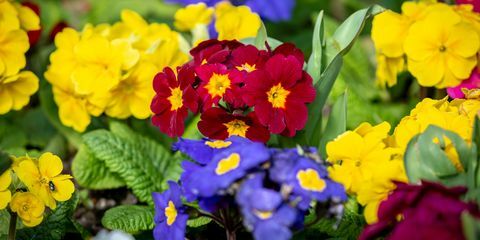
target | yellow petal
[
  {"x": 5, "y": 180},
  {"x": 428, "y": 72},
  {"x": 50, "y": 165},
  {"x": 371, "y": 212},
  {"x": 389, "y": 30},
  {"x": 6, "y": 103},
  {"x": 463, "y": 40},
  {"x": 27, "y": 172},
  {"x": 5, "y": 197},
  {"x": 336, "y": 148},
  {"x": 29, "y": 20},
  {"x": 461, "y": 67},
  {"x": 63, "y": 189}
]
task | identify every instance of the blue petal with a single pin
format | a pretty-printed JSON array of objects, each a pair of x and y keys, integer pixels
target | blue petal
[{"x": 278, "y": 10}]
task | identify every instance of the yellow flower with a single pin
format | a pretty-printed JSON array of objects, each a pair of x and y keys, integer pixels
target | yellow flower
[
  {"x": 441, "y": 49},
  {"x": 9, "y": 16},
  {"x": 235, "y": 22},
  {"x": 13, "y": 45},
  {"x": 194, "y": 14},
  {"x": 15, "y": 90},
  {"x": 29, "y": 20},
  {"x": 46, "y": 180},
  {"x": 134, "y": 93},
  {"x": 388, "y": 69},
  {"x": 5, "y": 194},
  {"x": 167, "y": 53},
  {"x": 28, "y": 207}
]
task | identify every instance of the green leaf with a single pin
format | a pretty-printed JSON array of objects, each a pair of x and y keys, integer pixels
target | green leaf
[
  {"x": 198, "y": 222},
  {"x": 336, "y": 125},
  {"x": 5, "y": 162},
  {"x": 471, "y": 226},
  {"x": 92, "y": 173},
  {"x": 272, "y": 42},
  {"x": 314, "y": 65},
  {"x": 261, "y": 37},
  {"x": 129, "y": 218},
  {"x": 143, "y": 164},
  {"x": 54, "y": 225}
]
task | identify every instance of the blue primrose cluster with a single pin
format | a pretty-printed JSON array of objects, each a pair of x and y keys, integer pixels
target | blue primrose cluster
[
  {"x": 275, "y": 11},
  {"x": 239, "y": 182}
]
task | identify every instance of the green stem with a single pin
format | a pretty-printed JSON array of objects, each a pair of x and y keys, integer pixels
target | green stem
[{"x": 13, "y": 226}]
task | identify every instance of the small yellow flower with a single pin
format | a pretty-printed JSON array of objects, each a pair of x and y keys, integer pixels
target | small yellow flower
[
  {"x": 194, "y": 14},
  {"x": 46, "y": 180},
  {"x": 15, "y": 90},
  {"x": 28, "y": 207},
  {"x": 5, "y": 194},
  {"x": 235, "y": 22}
]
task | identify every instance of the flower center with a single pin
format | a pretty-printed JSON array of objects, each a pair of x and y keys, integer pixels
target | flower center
[
  {"x": 263, "y": 214},
  {"x": 170, "y": 213},
  {"x": 176, "y": 99},
  {"x": 247, "y": 67},
  {"x": 228, "y": 164},
  {"x": 236, "y": 127},
  {"x": 218, "y": 85},
  {"x": 442, "y": 48},
  {"x": 277, "y": 96},
  {"x": 310, "y": 180},
  {"x": 218, "y": 144},
  {"x": 25, "y": 207}
]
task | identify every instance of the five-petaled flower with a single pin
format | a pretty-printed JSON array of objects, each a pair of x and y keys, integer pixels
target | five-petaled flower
[
  {"x": 170, "y": 217},
  {"x": 28, "y": 207}
]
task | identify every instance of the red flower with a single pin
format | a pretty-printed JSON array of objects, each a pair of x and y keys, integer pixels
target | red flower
[
  {"x": 217, "y": 82},
  {"x": 216, "y": 123},
  {"x": 213, "y": 51},
  {"x": 279, "y": 93},
  {"x": 248, "y": 58},
  {"x": 173, "y": 99},
  {"x": 289, "y": 49},
  {"x": 33, "y": 36}
]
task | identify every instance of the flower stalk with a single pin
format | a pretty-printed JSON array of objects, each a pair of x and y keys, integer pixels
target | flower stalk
[{"x": 12, "y": 229}]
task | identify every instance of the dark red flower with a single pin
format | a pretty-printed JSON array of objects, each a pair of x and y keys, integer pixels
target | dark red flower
[
  {"x": 174, "y": 96},
  {"x": 213, "y": 51},
  {"x": 216, "y": 123},
  {"x": 33, "y": 36},
  {"x": 279, "y": 93},
  {"x": 56, "y": 29},
  {"x": 248, "y": 58},
  {"x": 217, "y": 82},
  {"x": 289, "y": 49},
  {"x": 428, "y": 211}
]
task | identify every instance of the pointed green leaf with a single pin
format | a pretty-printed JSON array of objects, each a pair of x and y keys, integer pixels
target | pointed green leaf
[
  {"x": 129, "y": 218},
  {"x": 261, "y": 37},
  {"x": 471, "y": 226},
  {"x": 314, "y": 65}
]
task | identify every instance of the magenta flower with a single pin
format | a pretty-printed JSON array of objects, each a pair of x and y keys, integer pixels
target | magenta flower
[
  {"x": 475, "y": 3},
  {"x": 472, "y": 82}
]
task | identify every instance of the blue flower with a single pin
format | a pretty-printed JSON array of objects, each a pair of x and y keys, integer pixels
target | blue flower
[
  {"x": 264, "y": 211},
  {"x": 225, "y": 168},
  {"x": 275, "y": 11},
  {"x": 308, "y": 179},
  {"x": 170, "y": 217},
  {"x": 202, "y": 151}
]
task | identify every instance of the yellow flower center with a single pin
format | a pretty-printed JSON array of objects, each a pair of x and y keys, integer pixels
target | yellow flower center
[
  {"x": 310, "y": 180},
  {"x": 218, "y": 85},
  {"x": 247, "y": 67},
  {"x": 218, "y": 144},
  {"x": 170, "y": 213},
  {"x": 176, "y": 99},
  {"x": 263, "y": 215},
  {"x": 277, "y": 96},
  {"x": 236, "y": 127},
  {"x": 442, "y": 48},
  {"x": 228, "y": 164}
]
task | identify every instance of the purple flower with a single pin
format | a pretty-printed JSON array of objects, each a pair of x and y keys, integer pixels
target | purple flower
[
  {"x": 275, "y": 11},
  {"x": 472, "y": 82},
  {"x": 170, "y": 217},
  {"x": 225, "y": 168},
  {"x": 264, "y": 211},
  {"x": 307, "y": 178},
  {"x": 429, "y": 211}
]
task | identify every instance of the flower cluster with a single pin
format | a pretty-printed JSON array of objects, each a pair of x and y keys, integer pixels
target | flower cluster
[
  {"x": 224, "y": 21},
  {"x": 38, "y": 184},
  {"x": 436, "y": 42},
  {"x": 16, "y": 86},
  {"x": 109, "y": 68},
  {"x": 275, "y": 11},
  {"x": 429, "y": 211},
  {"x": 272, "y": 188},
  {"x": 224, "y": 81},
  {"x": 375, "y": 159}
]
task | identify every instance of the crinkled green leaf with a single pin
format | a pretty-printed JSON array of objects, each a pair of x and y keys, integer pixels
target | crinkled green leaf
[
  {"x": 92, "y": 173},
  {"x": 129, "y": 218}
]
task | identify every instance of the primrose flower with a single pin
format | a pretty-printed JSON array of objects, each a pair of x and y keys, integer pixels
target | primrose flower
[
  {"x": 170, "y": 216},
  {"x": 233, "y": 22},
  {"x": 5, "y": 194},
  {"x": 45, "y": 179},
  {"x": 174, "y": 96},
  {"x": 279, "y": 94},
  {"x": 187, "y": 19},
  {"x": 441, "y": 49},
  {"x": 216, "y": 123},
  {"x": 264, "y": 210},
  {"x": 472, "y": 82},
  {"x": 28, "y": 14},
  {"x": 225, "y": 168},
  {"x": 15, "y": 90},
  {"x": 28, "y": 207},
  {"x": 248, "y": 58}
]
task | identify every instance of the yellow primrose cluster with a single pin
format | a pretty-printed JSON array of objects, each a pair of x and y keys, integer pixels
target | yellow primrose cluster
[
  {"x": 44, "y": 181},
  {"x": 231, "y": 22},
  {"x": 436, "y": 42},
  {"x": 110, "y": 68},
  {"x": 374, "y": 158},
  {"x": 16, "y": 86}
]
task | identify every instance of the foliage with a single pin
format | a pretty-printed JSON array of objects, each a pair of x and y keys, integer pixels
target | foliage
[{"x": 129, "y": 218}]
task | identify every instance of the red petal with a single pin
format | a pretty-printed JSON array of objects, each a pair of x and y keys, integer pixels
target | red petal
[{"x": 284, "y": 70}]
